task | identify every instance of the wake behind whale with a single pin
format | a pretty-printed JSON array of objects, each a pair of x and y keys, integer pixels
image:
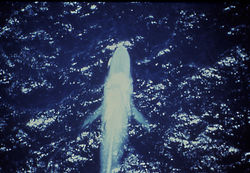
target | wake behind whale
[{"x": 116, "y": 108}]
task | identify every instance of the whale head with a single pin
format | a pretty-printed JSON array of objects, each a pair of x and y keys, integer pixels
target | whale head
[{"x": 120, "y": 62}]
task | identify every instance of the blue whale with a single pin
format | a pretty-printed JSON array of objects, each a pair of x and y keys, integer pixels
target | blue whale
[{"x": 115, "y": 111}]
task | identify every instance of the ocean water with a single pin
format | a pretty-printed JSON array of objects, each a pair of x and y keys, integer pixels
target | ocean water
[{"x": 190, "y": 80}]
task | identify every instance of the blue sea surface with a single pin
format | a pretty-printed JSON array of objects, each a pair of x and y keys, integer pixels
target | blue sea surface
[{"x": 190, "y": 80}]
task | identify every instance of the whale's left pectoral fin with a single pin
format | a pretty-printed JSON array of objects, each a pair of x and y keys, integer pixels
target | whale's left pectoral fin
[
  {"x": 92, "y": 117},
  {"x": 140, "y": 118}
]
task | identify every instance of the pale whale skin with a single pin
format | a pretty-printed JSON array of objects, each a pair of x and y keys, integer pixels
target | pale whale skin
[
  {"x": 117, "y": 95},
  {"x": 116, "y": 108}
]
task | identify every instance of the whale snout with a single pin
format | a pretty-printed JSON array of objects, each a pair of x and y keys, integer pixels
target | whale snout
[{"x": 120, "y": 62}]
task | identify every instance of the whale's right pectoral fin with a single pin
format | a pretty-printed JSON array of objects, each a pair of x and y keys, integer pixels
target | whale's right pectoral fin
[
  {"x": 140, "y": 118},
  {"x": 92, "y": 117}
]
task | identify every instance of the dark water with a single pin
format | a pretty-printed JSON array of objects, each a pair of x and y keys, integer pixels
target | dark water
[{"x": 191, "y": 81}]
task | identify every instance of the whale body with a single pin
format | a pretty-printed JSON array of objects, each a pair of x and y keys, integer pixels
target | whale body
[{"x": 116, "y": 109}]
